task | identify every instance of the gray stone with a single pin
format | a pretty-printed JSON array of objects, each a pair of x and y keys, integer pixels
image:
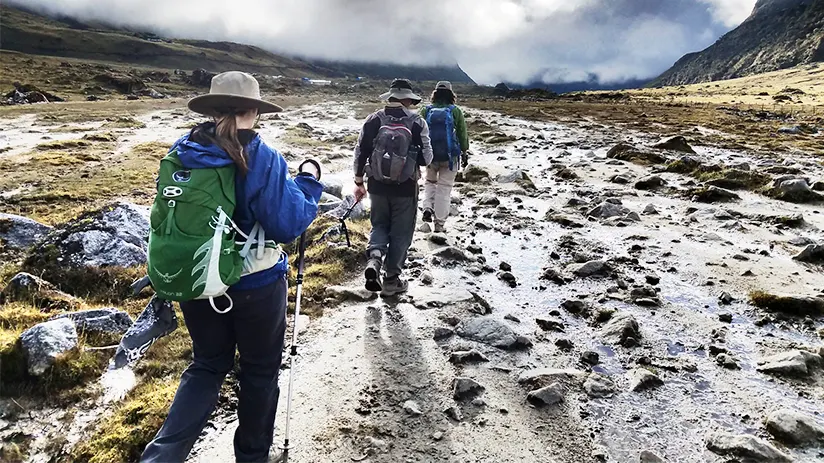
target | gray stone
[
  {"x": 622, "y": 328},
  {"x": 25, "y": 287},
  {"x": 598, "y": 385},
  {"x": 425, "y": 228},
  {"x": 727, "y": 361},
  {"x": 489, "y": 199},
  {"x": 621, "y": 179},
  {"x": 466, "y": 388},
  {"x": 641, "y": 379},
  {"x": 427, "y": 278},
  {"x": 650, "y": 183},
  {"x": 607, "y": 210},
  {"x": 746, "y": 447},
  {"x": 650, "y": 210},
  {"x": 678, "y": 143},
  {"x": 591, "y": 357},
  {"x": 102, "y": 321},
  {"x": 794, "y": 428},
  {"x": 550, "y": 395},
  {"x": 546, "y": 376},
  {"x": 469, "y": 356},
  {"x": 792, "y": 363},
  {"x": 813, "y": 253},
  {"x": 648, "y": 456},
  {"x": 547, "y": 324},
  {"x": 17, "y": 232},
  {"x": 591, "y": 268},
  {"x": 490, "y": 331},
  {"x": 328, "y": 203},
  {"x": 43, "y": 343},
  {"x": 451, "y": 253},
  {"x": 332, "y": 186},
  {"x": 412, "y": 408},
  {"x": 349, "y": 294},
  {"x": 512, "y": 177},
  {"x": 443, "y": 333},
  {"x": 439, "y": 239}
]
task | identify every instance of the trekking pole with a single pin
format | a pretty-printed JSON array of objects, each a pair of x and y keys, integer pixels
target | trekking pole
[{"x": 293, "y": 351}]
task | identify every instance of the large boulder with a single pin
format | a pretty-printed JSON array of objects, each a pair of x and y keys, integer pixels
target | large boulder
[
  {"x": 789, "y": 304},
  {"x": 589, "y": 269},
  {"x": 89, "y": 253},
  {"x": 608, "y": 210},
  {"x": 42, "y": 344},
  {"x": 628, "y": 152},
  {"x": 675, "y": 144},
  {"x": 201, "y": 78},
  {"x": 746, "y": 447},
  {"x": 792, "y": 363},
  {"x": 621, "y": 329},
  {"x": 813, "y": 254},
  {"x": 108, "y": 321},
  {"x": 19, "y": 233},
  {"x": 473, "y": 174},
  {"x": 493, "y": 332},
  {"x": 794, "y": 428},
  {"x": 332, "y": 186},
  {"x": 25, "y": 287},
  {"x": 598, "y": 385},
  {"x": 794, "y": 190}
]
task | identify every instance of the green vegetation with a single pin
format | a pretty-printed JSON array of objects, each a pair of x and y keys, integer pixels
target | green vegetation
[{"x": 734, "y": 179}]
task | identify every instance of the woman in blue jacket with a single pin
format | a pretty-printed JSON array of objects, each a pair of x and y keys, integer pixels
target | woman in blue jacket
[{"x": 256, "y": 325}]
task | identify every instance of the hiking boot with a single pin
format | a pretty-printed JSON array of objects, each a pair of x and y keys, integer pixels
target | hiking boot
[
  {"x": 428, "y": 214},
  {"x": 440, "y": 228},
  {"x": 393, "y": 286},
  {"x": 373, "y": 275},
  {"x": 275, "y": 456}
]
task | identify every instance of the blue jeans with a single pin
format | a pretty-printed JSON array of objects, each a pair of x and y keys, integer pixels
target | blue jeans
[{"x": 256, "y": 327}]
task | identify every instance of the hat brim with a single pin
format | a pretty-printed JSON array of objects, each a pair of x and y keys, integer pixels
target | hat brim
[
  {"x": 408, "y": 95},
  {"x": 210, "y": 104}
]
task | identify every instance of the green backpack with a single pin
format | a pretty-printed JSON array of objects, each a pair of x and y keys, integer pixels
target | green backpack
[{"x": 193, "y": 253}]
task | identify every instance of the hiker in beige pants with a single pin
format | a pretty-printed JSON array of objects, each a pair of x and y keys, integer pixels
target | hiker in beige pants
[{"x": 450, "y": 145}]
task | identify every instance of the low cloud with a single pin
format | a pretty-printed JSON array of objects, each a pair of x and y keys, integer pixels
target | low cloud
[{"x": 493, "y": 40}]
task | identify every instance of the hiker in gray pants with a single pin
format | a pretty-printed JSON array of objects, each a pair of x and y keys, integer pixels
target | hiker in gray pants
[{"x": 393, "y": 144}]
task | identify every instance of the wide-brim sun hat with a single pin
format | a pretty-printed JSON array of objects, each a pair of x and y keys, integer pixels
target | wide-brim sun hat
[
  {"x": 444, "y": 85},
  {"x": 401, "y": 89},
  {"x": 232, "y": 90}
]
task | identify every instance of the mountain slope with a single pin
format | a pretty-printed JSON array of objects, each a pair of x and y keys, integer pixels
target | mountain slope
[
  {"x": 779, "y": 34},
  {"x": 32, "y": 33}
]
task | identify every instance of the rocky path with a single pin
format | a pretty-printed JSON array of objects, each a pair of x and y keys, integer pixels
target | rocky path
[{"x": 587, "y": 318}]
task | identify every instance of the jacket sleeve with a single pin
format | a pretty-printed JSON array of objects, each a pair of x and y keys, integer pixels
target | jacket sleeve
[
  {"x": 420, "y": 137},
  {"x": 284, "y": 206},
  {"x": 366, "y": 142},
  {"x": 460, "y": 128}
]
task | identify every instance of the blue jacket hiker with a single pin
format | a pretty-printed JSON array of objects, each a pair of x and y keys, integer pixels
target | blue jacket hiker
[{"x": 256, "y": 324}]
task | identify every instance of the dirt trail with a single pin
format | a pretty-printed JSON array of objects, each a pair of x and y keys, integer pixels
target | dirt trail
[{"x": 361, "y": 363}]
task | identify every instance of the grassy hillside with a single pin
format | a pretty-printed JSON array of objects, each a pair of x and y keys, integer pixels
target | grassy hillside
[{"x": 30, "y": 33}]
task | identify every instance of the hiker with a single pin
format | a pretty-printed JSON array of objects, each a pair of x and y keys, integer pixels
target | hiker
[
  {"x": 393, "y": 145},
  {"x": 269, "y": 201},
  {"x": 450, "y": 146}
]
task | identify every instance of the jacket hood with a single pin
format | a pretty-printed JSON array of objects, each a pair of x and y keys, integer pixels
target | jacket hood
[{"x": 196, "y": 152}]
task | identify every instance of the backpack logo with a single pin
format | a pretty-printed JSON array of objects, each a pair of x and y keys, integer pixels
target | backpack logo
[
  {"x": 167, "y": 278},
  {"x": 182, "y": 176},
  {"x": 172, "y": 191}
]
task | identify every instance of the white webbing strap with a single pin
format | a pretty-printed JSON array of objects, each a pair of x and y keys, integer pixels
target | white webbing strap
[
  {"x": 250, "y": 239},
  {"x": 231, "y": 304}
]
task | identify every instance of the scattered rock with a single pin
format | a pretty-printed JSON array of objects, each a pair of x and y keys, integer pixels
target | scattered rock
[
  {"x": 794, "y": 428},
  {"x": 508, "y": 278},
  {"x": 714, "y": 194},
  {"x": 443, "y": 333},
  {"x": 493, "y": 332},
  {"x": 427, "y": 278},
  {"x": 575, "y": 306},
  {"x": 542, "y": 377},
  {"x": 627, "y": 152},
  {"x": 550, "y": 325},
  {"x": 591, "y": 358},
  {"x": 439, "y": 239},
  {"x": 650, "y": 210},
  {"x": 466, "y": 388},
  {"x": 749, "y": 448},
  {"x": 813, "y": 253},
  {"x": 650, "y": 183},
  {"x": 549, "y": 395},
  {"x": 473, "y": 174},
  {"x": 591, "y": 268},
  {"x": 564, "y": 344},
  {"x": 792, "y": 363},
  {"x": 43, "y": 343},
  {"x": 621, "y": 179},
  {"x": 794, "y": 190},
  {"x": 451, "y": 253},
  {"x": 621, "y": 329},
  {"x": 725, "y": 317},
  {"x": 727, "y": 361},
  {"x": 599, "y": 385},
  {"x": 675, "y": 144},
  {"x": 18, "y": 233},
  {"x": 550, "y": 274},
  {"x": 489, "y": 199},
  {"x": 470, "y": 356},
  {"x": 25, "y": 287},
  {"x": 726, "y": 299},
  {"x": 642, "y": 379},
  {"x": 790, "y": 305},
  {"x": 650, "y": 457},
  {"x": 349, "y": 294},
  {"x": 332, "y": 186},
  {"x": 608, "y": 210},
  {"x": 412, "y": 408},
  {"x": 108, "y": 321}
]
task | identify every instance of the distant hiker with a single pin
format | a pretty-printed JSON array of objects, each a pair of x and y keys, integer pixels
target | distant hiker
[
  {"x": 450, "y": 146},
  {"x": 393, "y": 144},
  {"x": 224, "y": 200}
]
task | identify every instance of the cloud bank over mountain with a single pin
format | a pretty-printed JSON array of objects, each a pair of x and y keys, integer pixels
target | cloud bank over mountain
[{"x": 493, "y": 40}]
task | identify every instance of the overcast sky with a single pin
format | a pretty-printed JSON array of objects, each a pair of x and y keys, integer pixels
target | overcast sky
[{"x": 493, "y": 40}]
